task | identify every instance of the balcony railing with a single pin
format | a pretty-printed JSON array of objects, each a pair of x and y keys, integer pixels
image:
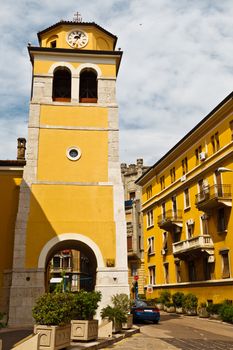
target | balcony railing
[
  {"x": 170, "y": 218},
  {"x": 211, "y": 197},
  {"x": 192, "y": 244}
]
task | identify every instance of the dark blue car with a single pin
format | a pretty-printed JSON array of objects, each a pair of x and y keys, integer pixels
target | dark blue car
[{"x": 143, "y": 310}]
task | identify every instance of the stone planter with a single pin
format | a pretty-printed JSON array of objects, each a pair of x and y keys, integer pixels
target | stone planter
[
  {"x": 84, "y": 330},
  {"x": 191, "y": 312},
  {"x": 203, "y": 313},
  {"x": 179, "y": 310},
  {"x": 129, "y": 323},
  {"x": 53, "y": 337},
  {"x": 171, "y": 309},
  {"x": 160, "y": 306},
  {"x": 116, "y": 327},
  {"x": 215, "y": 317}
]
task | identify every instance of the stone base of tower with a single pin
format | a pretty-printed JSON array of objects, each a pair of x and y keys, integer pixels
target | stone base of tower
[
  {"x": 111, "y": 281},
  {"x": 27, "y": 286}
]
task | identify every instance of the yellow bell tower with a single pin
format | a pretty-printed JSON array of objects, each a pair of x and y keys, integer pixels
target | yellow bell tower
[{"x": 71, "y": 195}]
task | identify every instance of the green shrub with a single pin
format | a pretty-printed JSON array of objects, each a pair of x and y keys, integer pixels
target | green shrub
[
  {"x": 122, "y": 302},
  {"x": 190, "y": 301},
  {"x": 113, "y": 314},
  {"x": 85, "y": 305},
  {"x": 178, "y": 299},
  {"x": 169, "y": 304},
  {"x": 165, "y": 297},
  {"x": 226, "y": 312},
  {"x": 53, "y": 309},
  {"x": 214, "y": 308}
]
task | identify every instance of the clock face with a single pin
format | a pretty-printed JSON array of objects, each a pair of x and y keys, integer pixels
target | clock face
[{"x": 77, "y": 39}]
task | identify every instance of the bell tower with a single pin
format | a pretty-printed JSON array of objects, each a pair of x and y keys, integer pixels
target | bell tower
[{"x": 71, "y": 194}]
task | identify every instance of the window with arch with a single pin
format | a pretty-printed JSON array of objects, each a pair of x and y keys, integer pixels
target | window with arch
[
  {"x": 88, "y": 86},
  {"x": 62, "y": 85}
]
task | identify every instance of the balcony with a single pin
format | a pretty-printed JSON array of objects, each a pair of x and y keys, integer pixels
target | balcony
[
  {"x": 193, "y": 247},
  {"x": 170, "y": 219},
  {"x": 129, "y": 226},
  {"x": 213, "y": 197}
]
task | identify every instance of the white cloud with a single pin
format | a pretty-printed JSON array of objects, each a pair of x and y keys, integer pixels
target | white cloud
[{"x": 176, "y": 67}]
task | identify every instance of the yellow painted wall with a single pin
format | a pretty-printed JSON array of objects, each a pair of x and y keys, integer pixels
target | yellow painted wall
[
  {"x": 9, "y": 194},
  {"x": 70, "y": 209},
  {"x": 74, "y": 116},
  {"x": 42, "y": 67},
  {"x": 53, "y": 164}
]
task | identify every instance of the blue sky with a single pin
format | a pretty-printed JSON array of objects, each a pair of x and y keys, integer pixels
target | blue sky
[{"x": 177, "y": 65}]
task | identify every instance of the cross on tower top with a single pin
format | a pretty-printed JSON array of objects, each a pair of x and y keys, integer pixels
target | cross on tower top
[{"x": 77, "y": 17}]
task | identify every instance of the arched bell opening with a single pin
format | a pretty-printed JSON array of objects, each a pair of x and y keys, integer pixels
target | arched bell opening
[
  {"x": 88, "y": 90},
  {"x": 70, "y": 266},
  {"x": 62, "y": 84}
]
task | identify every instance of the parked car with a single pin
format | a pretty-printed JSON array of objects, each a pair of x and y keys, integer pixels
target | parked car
[{"x": 143, "y": 310}]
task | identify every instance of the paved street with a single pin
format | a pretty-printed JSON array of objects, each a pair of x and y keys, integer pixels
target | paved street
[{"x": 178, "y": 332}]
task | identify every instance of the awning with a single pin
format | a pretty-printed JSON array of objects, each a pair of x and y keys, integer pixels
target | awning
[{"x": 55, "y": 280}]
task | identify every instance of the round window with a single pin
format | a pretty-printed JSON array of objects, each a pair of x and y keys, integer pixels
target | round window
[{"x": 73, "y": 153}]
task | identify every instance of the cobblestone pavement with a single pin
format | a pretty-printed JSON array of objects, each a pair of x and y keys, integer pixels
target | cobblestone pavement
[{"x": 179, "y": 332}]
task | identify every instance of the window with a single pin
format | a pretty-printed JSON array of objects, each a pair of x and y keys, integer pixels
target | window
[
  {"x": 62, "y": 85},
  {"x": 151, "y": 274},
  {"x": 165, "y": 239},
  {"x": 178, "y": 271},
  {"x": 215, "y": 142},
  {"x": 221, "y": 220},
  {"x": 73, "y": 153},
  {"x": 150, "y": 218},
  {"x": 192, "y": 271},
  {"x": 205, "y": 225},
  {"x": 225, "y": 264},
  {"x": 189, "y": 228},
  {"x": 134, "y": 270},
  {"x": 163, "y": 211},
  {"x": 174, "y": 206},
  {"x": 184, "y": 165},
  {"x": 53, "y": 44},
  {"x": 88, "y": 86},
  {"x": 231, "y": 127},
  {"x": 173, "y": 174},
  {"x": 132, "y": 195},
  {"x": 129, "y": 243},
  {"x": 56, "y": 262},
  {"x": 186, "y": 198},
  {"x": 197, "y": 154},
  {"x": 162, "y": 183},
  {"x": 151, "y": 247},
  {"x": 166, "y": 272},
  {"x": 149, "y": 192}
]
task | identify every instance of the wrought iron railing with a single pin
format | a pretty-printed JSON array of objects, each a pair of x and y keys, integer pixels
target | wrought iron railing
[{"x": 214, "y": 192}]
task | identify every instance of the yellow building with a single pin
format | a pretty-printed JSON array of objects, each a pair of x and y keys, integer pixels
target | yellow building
[
  {"x": 71, "y": 195},
  {"x": 187, "y": 211}
]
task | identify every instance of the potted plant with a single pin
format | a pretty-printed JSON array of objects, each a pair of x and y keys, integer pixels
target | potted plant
[
  {"x": 83, "y": 327},
  {"x": 214, "y": 310},
  {"x": 170, "y": 307},
  {"x": 178, "y": 299},
  {"x": 52, "y": 313},
  {"x": 116, "y": 315},
  {"x": 122, "y": 301},
  {"x": 190, "y": 304},
  {"x": 202, "y": 311},
  {"x": 165, "y": 297}
]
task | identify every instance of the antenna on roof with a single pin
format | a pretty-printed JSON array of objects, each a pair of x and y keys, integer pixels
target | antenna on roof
[{"x": 77, "y": 17}]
